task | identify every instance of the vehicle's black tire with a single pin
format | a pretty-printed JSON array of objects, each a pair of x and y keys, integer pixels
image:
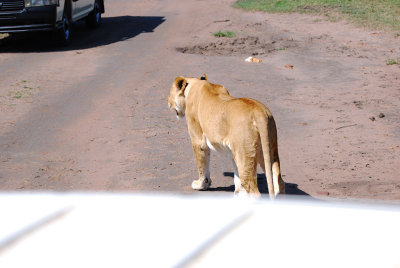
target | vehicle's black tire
[
  {"x": 93, "y": 20},
  {"x": 63, "y": 35}
]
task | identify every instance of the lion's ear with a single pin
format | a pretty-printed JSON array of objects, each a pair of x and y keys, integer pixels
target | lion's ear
[
  {"x": 203, "y": 77},
  {"x": 180, "y": 83}
]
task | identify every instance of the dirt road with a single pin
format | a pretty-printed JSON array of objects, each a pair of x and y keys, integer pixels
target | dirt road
[{"x": 94, "y": 116}]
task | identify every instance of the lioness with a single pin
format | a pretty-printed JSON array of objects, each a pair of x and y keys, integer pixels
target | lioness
[{"x": 218, "y": 121}]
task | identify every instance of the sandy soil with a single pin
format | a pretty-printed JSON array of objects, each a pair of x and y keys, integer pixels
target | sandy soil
[{"x": 94, "y": 116}]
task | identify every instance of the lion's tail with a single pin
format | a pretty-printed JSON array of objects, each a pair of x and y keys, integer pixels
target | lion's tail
[{"x": 263, "y": 124}]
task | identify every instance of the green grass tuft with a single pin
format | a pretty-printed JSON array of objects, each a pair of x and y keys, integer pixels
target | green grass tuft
[
  {"x": 224, "y": 34},
  {"x": 21, "y": 94},
  {"x": 393, "y": 61},
  {"x": 375, "y": 14}
]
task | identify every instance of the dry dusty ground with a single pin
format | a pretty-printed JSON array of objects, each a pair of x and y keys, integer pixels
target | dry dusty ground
[{"x": 94, "y": 116}]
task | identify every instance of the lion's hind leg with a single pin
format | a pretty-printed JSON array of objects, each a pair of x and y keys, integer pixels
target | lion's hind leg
[
  {"x": 279, "y": 184},
  {"x": 239, "y": 190},
  {"x": 247, "y": 169}
]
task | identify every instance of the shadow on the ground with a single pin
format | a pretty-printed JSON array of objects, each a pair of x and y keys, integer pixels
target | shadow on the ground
[
  {"x": 111, "y": 30},
  {"x": 291, "y": 188}
]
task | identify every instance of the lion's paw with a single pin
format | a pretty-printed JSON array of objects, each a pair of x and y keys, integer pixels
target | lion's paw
[{"x": 201, "y": 184}]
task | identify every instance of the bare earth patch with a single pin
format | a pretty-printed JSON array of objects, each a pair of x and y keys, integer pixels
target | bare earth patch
[{"x": 250, "y": 45}]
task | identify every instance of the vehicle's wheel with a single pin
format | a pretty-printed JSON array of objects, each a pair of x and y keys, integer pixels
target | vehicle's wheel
[
  {"x": 63, "y": 35},
  {"x": 93, "y": 20}
]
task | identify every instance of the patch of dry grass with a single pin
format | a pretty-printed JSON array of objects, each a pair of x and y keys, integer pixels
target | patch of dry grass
[{"x": 373, "y": 14}]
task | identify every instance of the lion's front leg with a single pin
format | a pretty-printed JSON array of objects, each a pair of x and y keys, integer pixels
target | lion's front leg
[{"x": 202, "y": 154}]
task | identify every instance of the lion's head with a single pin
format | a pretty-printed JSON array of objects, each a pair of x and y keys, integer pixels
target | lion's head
[{"x": 176, "y": 98}]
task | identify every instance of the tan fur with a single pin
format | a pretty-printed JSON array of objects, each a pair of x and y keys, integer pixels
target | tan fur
[{"x": 244, "y": 127}]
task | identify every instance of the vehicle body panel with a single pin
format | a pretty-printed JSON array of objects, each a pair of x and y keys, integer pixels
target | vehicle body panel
[{"x": 15, "y": 17}]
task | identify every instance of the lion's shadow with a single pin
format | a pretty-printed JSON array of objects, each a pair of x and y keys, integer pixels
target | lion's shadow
[{"x": 291, "y": 188}]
